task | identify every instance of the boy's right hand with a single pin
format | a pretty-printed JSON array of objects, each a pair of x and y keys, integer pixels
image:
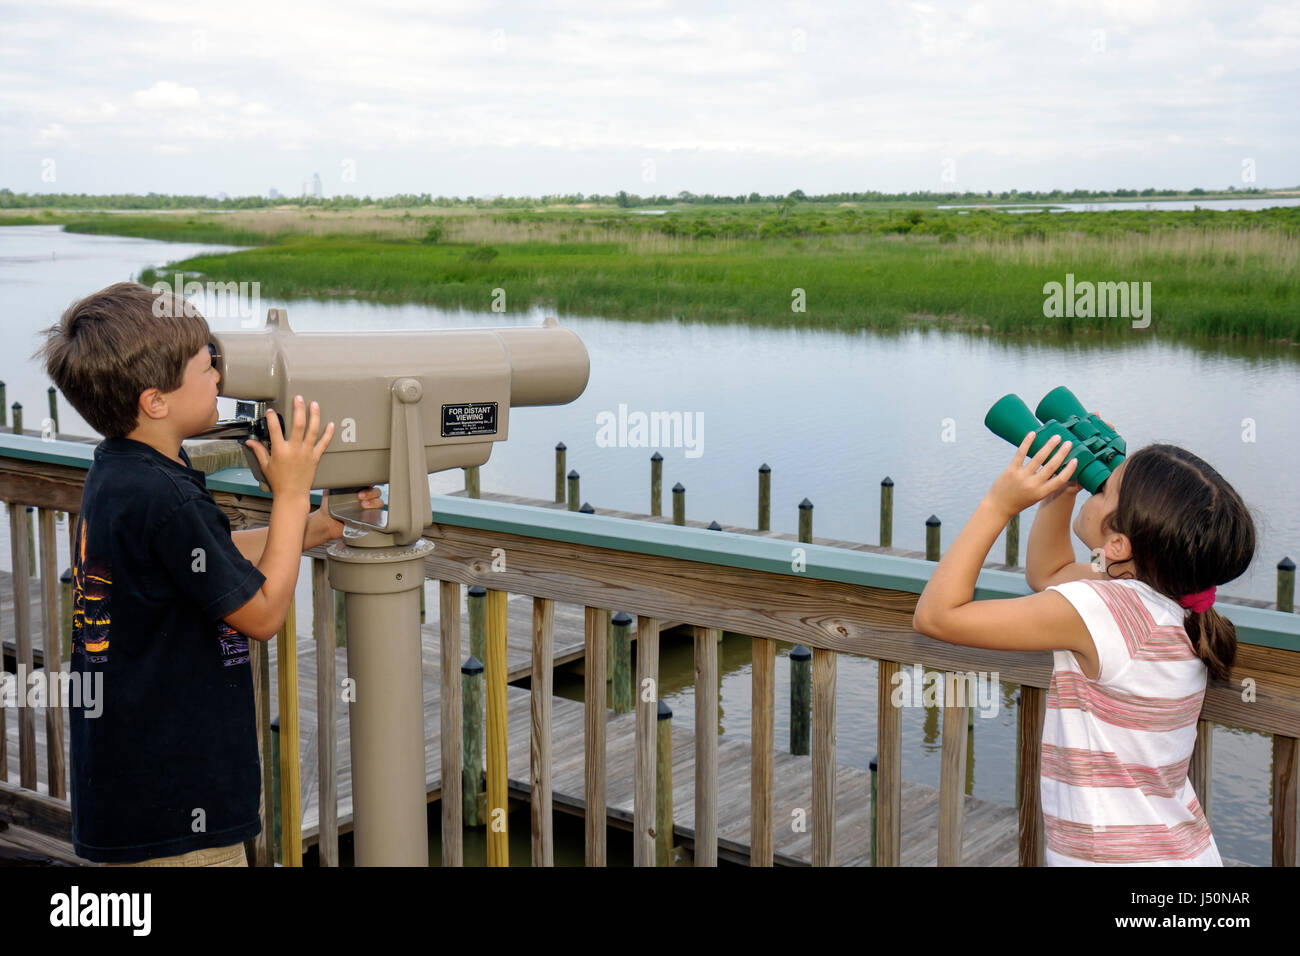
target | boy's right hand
[{"x": 290, "y": 466}]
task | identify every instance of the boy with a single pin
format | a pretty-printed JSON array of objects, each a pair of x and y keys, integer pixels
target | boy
[{"x": 165, "y": 596}]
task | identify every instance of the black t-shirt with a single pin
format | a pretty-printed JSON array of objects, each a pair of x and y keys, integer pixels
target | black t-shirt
[{"x": 164, "y": 759}]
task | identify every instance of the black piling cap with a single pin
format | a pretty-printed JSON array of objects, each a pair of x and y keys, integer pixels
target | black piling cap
[
  {"x": 587, "y": 509},
  {"x": 873, "y": 765},
  {"x": 665, "y": 712},
  {"x": 18, "y": 405},
  {"x": 888, "y": 482},
  {"x": 51, "y": 389},
  {"x": 477, "y": 590},
  {"x": 714, "y": 526},
  {"x": 763, "y": 469},
  {"x": 573, "y": 473},
  {"x": 621, "y": 619},
  {"x": 560, "y": 446},
  {"x": 275, "y": 724},
  {"x": 1286, "y": 564},
  {"x": 800, "y": 653},
  {"x": 805, "y": 505},
  {"x": 472, "y": 665},
  {"x": 678, "y": 488},
  {"x": 932, "y": 522},
  {"x": 656, "y": 457},
  {"x": 66, "y": 576}
]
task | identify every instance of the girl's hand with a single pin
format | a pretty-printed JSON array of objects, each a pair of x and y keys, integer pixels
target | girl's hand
[
  {"x": 323, "y": 527},
  {"x": 1022, "y": 485}
]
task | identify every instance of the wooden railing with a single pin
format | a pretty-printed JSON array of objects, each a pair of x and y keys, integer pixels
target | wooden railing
[{"x": 840, "y": 601}]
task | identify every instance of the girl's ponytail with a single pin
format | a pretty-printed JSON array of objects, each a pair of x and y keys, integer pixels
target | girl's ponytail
[{"x": 1215, "y": 639}]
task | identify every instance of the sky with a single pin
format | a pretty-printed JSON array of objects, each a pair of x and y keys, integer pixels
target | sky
[{"x": 651, "y": 97}]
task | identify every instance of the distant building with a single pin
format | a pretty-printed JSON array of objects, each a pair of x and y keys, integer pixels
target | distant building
[
  {"x": 316, "y": 189},
  {"x": 273, "y": 193}
]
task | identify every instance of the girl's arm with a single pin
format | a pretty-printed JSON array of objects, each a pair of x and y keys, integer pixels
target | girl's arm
[{"x": 946, "y": 609}]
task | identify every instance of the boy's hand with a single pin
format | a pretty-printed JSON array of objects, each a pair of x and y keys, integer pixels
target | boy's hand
[
  {"x": 323, "y": 527},
  {"x": 1022, "y": 485},
  {"x": 290, "y": 467}
]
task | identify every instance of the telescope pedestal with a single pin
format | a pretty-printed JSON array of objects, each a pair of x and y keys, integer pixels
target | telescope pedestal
[{"x": 389, "y": 800}]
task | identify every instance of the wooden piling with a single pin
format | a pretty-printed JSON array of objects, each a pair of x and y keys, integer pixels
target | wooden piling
[
  {"x": 471, "y": 481},
  {"x": 539, "y": 746},
  {"x": 476, "y": 600},
  {"x": 622, "y": 671},
  {"x": 52, "y": 653},
  {"x": 65, "y": 613},
  {"x": 805, "y": 521},
  {"x": 762, "y": 707},
  {"x": 887, "y": 512},
  {"x": 18, "y": 418},
  {"x": 764, "y": 497},
  {"x": 4, "y": 409},
  {"x": 573, "y": 490},
  {"x": 800, "y": 699},
  {"x": 656, "y": 484},
  {"x": 873, "y": 767},
  {"x": 559, "y": 473},
  {"x": 663, "y": 785},
  {"x": 54, "y": 408},
  {"x": 472, "y": 780},
  {"x": 1286, "y": 585},
  {"x": 646, "y": 700},
  {"x": 595, "y": 633},
  {"x": 679, "y": 504},
  {"x": 286, "y": 666},
  {"x": 932, "y": 538},
  {"x": 1013, "y": 541},
  {"x": 498, "y": 805},
  {"x": 276, "y": 823}
]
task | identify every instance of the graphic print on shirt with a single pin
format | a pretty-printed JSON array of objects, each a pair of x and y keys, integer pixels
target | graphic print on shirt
[
  {"x": 234, "y": 645},
  {"x": 92, "y": 588}
]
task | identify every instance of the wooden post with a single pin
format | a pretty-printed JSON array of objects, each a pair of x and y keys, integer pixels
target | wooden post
[
  {"x": 54, "y": 408},
  {"x": 1286, "y": 779},
  {"x": 471, "y": 689},
  {"x": 646, "y": 700},
  {"x": 889, "y": 749},
  {"x": 573, "y": 490},
  {"x": 805, "y": 521},
  {"x": 1286, "y": 585},
  {"x": 764, "y": 497},
  {"x": 277, "y": 818},
  {"x": 340, "y": 619},
  {"x": 559, "y": 473},
  {"x": 477, "y": 599},
  {"x": 286, "y": 653},
  {"x": 498, "y": 806},
  {"x": 20, "y": 553},
  {"x": 1013, "y": 541},
  {"x": 4, "y": 409},
  {"x": 762, "y": 707},
  {"x": 800, "y": 699},
  {"x": 267, "y": 846},
  {"x": 706, "y": 747},
  {"x": 327, "y": 786},
  {"x": 471, "y": 481},
  {"x": 65, "y": 613},
  {"x": 539, "y": 750},
  {"x": 887, "y": 512},
  {"x": 52, "y": 655},
  {"x": 450, "y": 714},
  {"x": 1198, "y": 771},
  {"x": 663, "y": 785},
  {"x": 952, "y": 774},
  {"x": 622, "y": 670},
  {"x": 1033, "y": 712},
  {"x": 18, "y": 420},
  {"x": 595, "y": 631},
  {"x": 1016, "y": 698},
  {"x": 31, "y": 541},
  {"x": 932, "y": 538},
  {"x": 679, "y": 504},
  {"x": 656, "y": 484},
  {"x": 823, "y": 757},
  {"x": 874, "y": 765}
]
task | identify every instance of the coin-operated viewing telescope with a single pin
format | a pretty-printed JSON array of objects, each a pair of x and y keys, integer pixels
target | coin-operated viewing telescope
[
  {"x": 1098, "y": 447},
  {"x": 404, "y": 404}
]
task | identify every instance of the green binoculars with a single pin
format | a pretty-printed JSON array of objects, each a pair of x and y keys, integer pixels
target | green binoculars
[{"x": 1097, "y": 447}]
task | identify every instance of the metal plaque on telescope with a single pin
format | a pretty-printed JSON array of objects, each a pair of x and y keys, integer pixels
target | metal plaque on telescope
[{"x": 474, "y": 418}]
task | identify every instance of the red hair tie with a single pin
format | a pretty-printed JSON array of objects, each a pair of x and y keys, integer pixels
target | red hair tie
[{"x": 1200, "y": 601}]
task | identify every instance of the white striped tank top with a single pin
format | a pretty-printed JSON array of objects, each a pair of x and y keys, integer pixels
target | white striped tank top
[{"x": 1116, "y": 749}]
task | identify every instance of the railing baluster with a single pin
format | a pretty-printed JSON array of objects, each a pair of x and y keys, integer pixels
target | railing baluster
[
  {"x": 952, "y": 774},
  {"x": 449, "y": 702},
  {"x": 1029, "y": 741},
  {"x": 540, "y": 742},
  {"x": 647, "y": 670},
  {"x": 706, "y": 746},
  {"x": 889, "y": 779},
  {"x": 52, "y": 652},
  {"x": 596, "y": 632},
  {"x": 286, "y": 664},
  {"x": 261, "y": 661},
  {"x": 1286, "y": 765},
  {"x": 762, "y": 744},
  {"x": 23, "y": 642},
  {"x": 1199, "y": 769},
  {"x": 823, "y": 757},
  {"x": 498, "y": 833},
  {"x": 322, "y": 628}
]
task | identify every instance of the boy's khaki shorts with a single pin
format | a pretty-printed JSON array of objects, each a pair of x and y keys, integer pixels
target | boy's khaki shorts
[{"x": 213, "y": 856}]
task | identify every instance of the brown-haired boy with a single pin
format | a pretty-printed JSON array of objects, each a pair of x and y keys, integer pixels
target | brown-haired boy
[{"x": 165, "y": 596}]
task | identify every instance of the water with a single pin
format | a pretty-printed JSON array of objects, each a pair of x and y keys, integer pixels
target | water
[{"x": 832, "y": 413}]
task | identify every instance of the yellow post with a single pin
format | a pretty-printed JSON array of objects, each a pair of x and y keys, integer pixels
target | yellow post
[
  {"x": 498, "y": 837},
  {"x": 286, "y": 654}
]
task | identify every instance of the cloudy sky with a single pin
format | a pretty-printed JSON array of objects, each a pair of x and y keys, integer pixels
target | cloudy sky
[{"x": 532, "y": 98}]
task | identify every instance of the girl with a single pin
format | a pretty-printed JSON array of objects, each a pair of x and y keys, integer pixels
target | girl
[{"x": 1133, "y": 635}]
